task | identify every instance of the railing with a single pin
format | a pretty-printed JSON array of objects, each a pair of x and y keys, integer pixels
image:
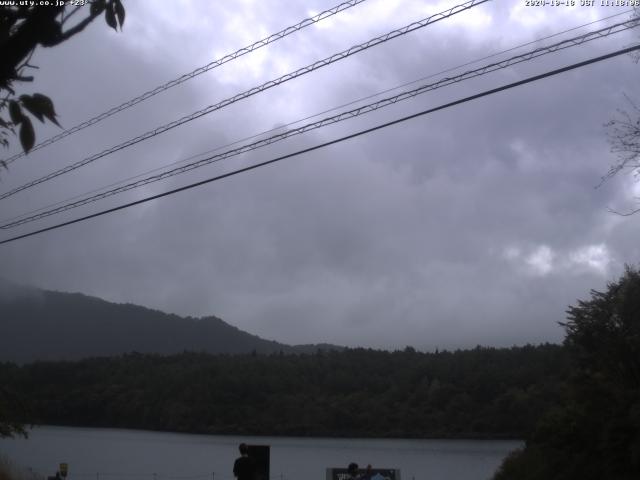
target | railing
[{"x": 158, "y": 476}]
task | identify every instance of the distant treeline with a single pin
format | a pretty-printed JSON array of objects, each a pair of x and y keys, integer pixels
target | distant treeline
[{"x": 479, "y": 393}]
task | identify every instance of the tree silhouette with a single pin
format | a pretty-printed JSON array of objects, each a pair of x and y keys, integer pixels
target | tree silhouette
[
  {"x": 22, "y": 29},
  {"x": 605, "y": 331},
  {"x": 595, "y": 432},
  {"x": 624, "y": 137}
]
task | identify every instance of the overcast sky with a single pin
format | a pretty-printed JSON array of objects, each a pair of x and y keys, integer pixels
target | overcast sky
[{"x": 479, "y": 224}]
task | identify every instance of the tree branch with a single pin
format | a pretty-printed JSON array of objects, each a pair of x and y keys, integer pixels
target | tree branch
[
  {"x": 67, "y": 17},
  {"x": 78, "y": 28}
]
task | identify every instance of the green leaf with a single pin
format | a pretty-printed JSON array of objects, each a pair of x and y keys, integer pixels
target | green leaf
[
  {"x": 44, "y": 105},
  {"x": 4, "y": 124},
  {"x": 31, "y": 106},
  {"x": 15, "y": 112},
  {"x": 119, "y": 9},
  {"x": 27, "y": 135},
  {"x": 110, "y": 16}
]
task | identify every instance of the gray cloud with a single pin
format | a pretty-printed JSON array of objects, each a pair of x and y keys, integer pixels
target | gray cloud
[{"x": 475, "y": 225}]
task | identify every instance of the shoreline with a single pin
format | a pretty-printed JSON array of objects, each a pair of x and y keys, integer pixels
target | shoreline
[{"x": 487, "y": 438}]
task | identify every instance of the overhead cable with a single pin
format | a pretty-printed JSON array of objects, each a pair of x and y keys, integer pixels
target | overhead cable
[
  {"x": 385, "y": 102},
  {"x": 331, "y": 142},
  {"x": 188, "y": 76},
  {"x": 253, "y": 91},
  {"x": 309, "y": 117}
]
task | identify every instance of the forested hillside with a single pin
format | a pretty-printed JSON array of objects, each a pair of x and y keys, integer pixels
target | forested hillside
[
  {"x": 44, "y": 325},
  {"x": 484, "y": 392}
]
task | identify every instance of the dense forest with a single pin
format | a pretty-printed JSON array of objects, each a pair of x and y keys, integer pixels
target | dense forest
[{"x": 484, "y": 392}]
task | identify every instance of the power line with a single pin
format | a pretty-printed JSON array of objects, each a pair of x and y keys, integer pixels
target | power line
[
  {"x": 332, "y": 142},
  {"x": 188, "y": 76},
  {"x": 527, "y": 56},
  {"x": 253, "y": 91},
  {"x": 493, "y": 55},
  {"x": 308, "y": 117},
  {"x": 353, "y": 102}
]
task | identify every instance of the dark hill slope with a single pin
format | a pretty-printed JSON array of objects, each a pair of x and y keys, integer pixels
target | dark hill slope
[{"x": 45, "y": 325}]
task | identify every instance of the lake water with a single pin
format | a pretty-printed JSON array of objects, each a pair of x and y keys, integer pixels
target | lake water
[{"x": 110, "y": 454}]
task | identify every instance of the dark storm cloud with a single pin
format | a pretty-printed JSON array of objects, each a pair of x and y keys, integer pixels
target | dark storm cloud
[{"x": 475, "y": 225}]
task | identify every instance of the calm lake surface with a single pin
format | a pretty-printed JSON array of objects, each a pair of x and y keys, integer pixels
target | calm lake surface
[{"x": 110, "y": 454}]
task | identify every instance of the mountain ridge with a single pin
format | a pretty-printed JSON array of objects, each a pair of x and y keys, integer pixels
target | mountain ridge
[{"x": 38, "y": 324}]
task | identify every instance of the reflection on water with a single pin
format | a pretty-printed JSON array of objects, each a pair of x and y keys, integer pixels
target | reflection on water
[{"x": 109, "y": 454}]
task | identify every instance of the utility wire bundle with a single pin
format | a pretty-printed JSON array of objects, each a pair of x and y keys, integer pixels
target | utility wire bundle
[
  {"x": 274, "y": 37},
  {"x": 252, "y": 91},
  {"x": 373, "y": 106}
]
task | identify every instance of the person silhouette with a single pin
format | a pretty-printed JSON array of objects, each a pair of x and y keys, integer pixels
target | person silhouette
[
  {"x": 244, "y": 468},
  {"x": 352, "y": 471}
]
